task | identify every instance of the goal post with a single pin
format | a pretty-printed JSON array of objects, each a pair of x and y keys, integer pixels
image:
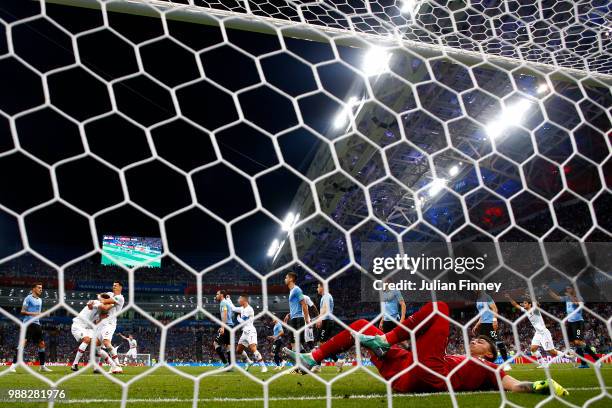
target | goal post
[{"x": 139, "y": 360}]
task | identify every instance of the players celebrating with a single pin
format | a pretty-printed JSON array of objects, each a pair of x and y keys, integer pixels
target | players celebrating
[
  {"x": 106, "y": 328},
  {"x": 248, "y": 339},
  {"x": 542, "y": 337},
  {"x": 82, "y": 328},
  {"x": 30, "y": 309},
  {"x": 431, "y": 341},
  {"x": 131, "y": 353},
  {"x": 575, "y": 323}
]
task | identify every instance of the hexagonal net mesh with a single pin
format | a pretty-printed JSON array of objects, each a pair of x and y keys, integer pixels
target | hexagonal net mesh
[{"x": 183, "y": 148}]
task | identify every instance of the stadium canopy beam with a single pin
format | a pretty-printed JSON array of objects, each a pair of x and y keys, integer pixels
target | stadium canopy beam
[{"x": 344, "y": 37}]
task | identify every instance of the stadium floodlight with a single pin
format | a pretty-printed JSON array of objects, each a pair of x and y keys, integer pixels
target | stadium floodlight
[
  {"x": 342, "y": 118},
  {"x": 273, "y": 248},
  {"x": 509, "y": 116},
  {"x": 453, "y": 171},
  {"x": 376, "y": 61},
  {"x": 288, "y": 221},
  {"x": 542, "y": 88},
  {"x": 409, "y": 7},
  {"x": 435, "y": 187}
]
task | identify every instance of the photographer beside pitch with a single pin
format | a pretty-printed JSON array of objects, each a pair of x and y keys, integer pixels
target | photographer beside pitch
[{"x": 478, "y": 374}]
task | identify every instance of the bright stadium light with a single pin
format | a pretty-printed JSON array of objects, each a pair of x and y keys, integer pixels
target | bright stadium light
[
  {"x": 509, "y": 116},
  {"x": 273, "y": 248},
  {"x": 342, "y": 118},
  {"x": 436, "y": 186},
  {"x": 543, "y": 88},
  {"x": 408, "y": 6},
  {"x": 453, "y": 171},
  {"x": 376, "y": 61},
  {"x": 288, "y": 221}
]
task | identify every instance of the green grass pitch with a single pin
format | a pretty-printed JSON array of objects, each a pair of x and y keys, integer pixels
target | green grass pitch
[{"x": 164, "y": 388}]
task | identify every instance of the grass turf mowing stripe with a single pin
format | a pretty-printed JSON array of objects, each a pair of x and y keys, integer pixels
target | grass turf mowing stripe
[{"x": 304, "y": 398}]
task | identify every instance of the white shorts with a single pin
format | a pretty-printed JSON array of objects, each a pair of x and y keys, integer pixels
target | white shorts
[
  {"x": 80, "y": 330},
  {"x": 131, "y": 353},
  {"x": 248, "y": 337},
  {"x": 105, "y": 331},
  {"x": 543, "y": 339},
  {"x": 308, "y": 334}
]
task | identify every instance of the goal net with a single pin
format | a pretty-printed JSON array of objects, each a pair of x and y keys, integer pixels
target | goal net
[
  {"x": 139, "y": 360},
  {"x": 459, "y": 150}
]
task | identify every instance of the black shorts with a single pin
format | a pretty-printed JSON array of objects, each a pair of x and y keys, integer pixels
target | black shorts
[
  {"x": 223, "y": 339},
  {"x": 486, "y": 329},
  {"x": 296, "y": 323},
  {"x": 388, "y": 325},
  {"x": 277, "y": 346},
  {"x": 34, "y": 333},
  {"x": 575, "y": 330},
  {"x": 327, "y": 330}
]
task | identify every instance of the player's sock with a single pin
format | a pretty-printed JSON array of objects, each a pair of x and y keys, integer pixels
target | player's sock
[
  {"x": 228, "y": 356},
  {"x": 580, "y": 352},
  {"x": 246, "y": 358},
  {"x": 221, "y": 354},
  {"x": 538, "y": 357},
  {"x": 258, "y": 357},
  {"x": 501, "y": 346},
  {"x": 16, "y": 354},
  {"x": 106, "y": 357},
  {"x": 41, "y": 356},
  {"x": 79, "y": 353},
  {"x": 590, "y": 352}
]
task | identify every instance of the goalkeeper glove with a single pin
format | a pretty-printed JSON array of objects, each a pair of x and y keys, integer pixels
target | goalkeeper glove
[{"x": 543, "y": 387}]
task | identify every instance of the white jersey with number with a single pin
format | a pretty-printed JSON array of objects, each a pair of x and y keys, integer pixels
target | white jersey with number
[
  {"x": 114, "y": 311},
  {"x": 87, "y": 315},
  {"x": 536, "y": 319},
  {"x": 247, "y": 315}
]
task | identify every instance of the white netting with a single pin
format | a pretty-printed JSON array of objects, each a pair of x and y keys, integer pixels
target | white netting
[{"x": 414, "y": 121}]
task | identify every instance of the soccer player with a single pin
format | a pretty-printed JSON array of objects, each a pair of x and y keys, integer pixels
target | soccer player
[
  {"x": 106, "y": 328},
  {"x": 325, "y": 324},
  {"x": 30, "y": 309},
  {"x": 575, "y": 323},
  {"x": 277, "y": 343},
  {"x": 82, "y": 328},
  {"x": 222, "y": 340},
  {"x": 431, "y": 341},
  {"x": 132, "y": 353},
  {"x": 393, "y": 302},
  {"x": 248, "y": 338},
  {"x": 298, "y": 308},
  {"x": 309, "y": 337},
  {"x": 487, "y": 324},
  {"x": 542, "y": 337}
]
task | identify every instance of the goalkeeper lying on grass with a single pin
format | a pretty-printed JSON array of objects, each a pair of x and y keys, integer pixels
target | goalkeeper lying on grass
[{"x": 431, "y": 341}]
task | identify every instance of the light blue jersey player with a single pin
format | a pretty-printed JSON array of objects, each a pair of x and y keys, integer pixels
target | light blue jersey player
[
  {"x": 298, "y": 308},
  {"x": 222, "y": 340},
  {"x": 30, "y": 310},
  {"x": 487, "y": 324},
  {"x": 394, "y": 309},
  {"x": 575, "y": 324}
]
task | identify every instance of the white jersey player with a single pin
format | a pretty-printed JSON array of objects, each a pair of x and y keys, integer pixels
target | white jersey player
[
  {"x": 83, "y": 329},
  {"x": 308, "y": 331},
  {"x": 248, "y": 339},
  {"x": 132, "y": 352},
  {"x": 106, "y": 328},
  {"x": 542, "y": 337}
]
